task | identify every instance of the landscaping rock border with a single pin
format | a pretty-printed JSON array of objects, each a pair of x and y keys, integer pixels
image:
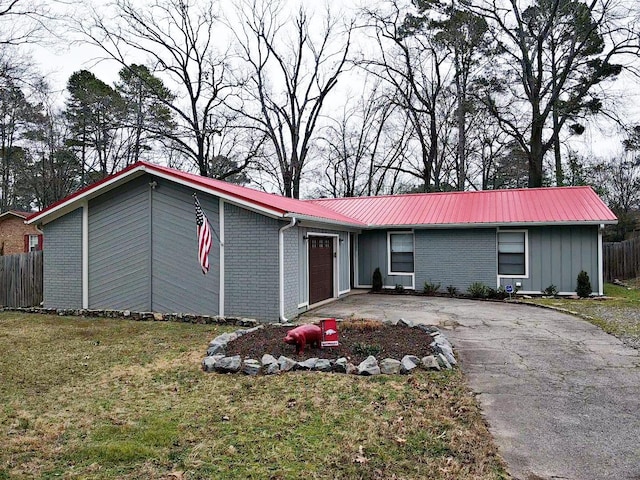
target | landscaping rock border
[
  {"x": 216, "y": 361},
  {"x": 139, "y": 316}
]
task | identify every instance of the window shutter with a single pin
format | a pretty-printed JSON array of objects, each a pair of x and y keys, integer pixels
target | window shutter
[
  {"x": 40, "y": 241},
  {"x": 26, "y": 243}
]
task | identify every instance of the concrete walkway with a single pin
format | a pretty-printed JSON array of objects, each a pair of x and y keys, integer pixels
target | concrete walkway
[{"x": 562, "y": 398}]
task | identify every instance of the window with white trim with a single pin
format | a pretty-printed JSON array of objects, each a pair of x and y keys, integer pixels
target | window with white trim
[
  {"x": 34, "y": 243},
  {"x": 401, "y": 253},
  {"x": 512, "y": 253}
]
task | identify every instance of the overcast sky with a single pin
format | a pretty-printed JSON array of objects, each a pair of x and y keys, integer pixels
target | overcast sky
[{"x": 59, "y": 59}]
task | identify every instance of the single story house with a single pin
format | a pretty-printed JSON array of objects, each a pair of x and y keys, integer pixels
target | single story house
[
  {"x": 16, "y": 236},
  {"x": 129, "y": 242}
]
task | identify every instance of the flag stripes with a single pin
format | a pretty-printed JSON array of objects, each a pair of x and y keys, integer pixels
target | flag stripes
[{"x": 204, "y": 236}]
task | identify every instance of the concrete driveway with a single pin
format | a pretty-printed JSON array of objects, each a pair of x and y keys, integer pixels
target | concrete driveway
[{"x": 562, "y": 398}]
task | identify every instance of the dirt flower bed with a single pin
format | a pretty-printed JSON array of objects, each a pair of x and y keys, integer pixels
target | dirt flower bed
[{"x": 385, "y": 341}]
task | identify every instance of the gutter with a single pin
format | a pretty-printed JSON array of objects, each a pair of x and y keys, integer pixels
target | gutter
[{"x": 293, "y": 222}]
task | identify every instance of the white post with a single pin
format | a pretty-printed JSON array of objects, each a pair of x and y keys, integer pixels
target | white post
[
  {"x": 600, "y": 262},
  {"x": 85, "y": 254},
  {"x": 221, "y": 235}
]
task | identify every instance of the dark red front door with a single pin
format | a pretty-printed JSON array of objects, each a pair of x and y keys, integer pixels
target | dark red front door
[{"x": 320, "y": 268}]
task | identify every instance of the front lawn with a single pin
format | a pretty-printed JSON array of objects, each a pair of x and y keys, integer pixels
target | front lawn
[
  {"x": 106, "y": 398},
  {"x": 618, "y": 315}
]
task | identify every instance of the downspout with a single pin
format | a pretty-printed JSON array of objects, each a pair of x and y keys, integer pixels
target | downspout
[{"x": 293, "y": 222}]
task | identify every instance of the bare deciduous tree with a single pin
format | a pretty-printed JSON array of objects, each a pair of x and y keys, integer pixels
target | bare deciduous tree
[
  {"x": 363, "y": 150},
  {"x": 291, "y": 72},
  {"x": 554, "y": 53},
  {"x": 177, "y": 39}
]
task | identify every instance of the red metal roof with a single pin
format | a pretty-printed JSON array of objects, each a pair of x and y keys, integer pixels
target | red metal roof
[
  {"x": 268, "y": 202},
  {"x": 569, "y": 205},
  {"x": 521, "y": 206}
]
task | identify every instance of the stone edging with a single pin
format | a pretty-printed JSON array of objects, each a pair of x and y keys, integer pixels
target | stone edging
[
  {"x": 217, "y": 361},
  {"x": 139, "y": 316}
]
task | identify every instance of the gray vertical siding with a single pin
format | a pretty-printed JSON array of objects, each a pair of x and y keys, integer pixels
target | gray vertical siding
[
  {"x": 457, "y": 257},
  {"x": 177, "y": 281},
  {"x": 119, "y": 266},
  {"x": 62, "y": 262},
  {"x": 251, "y": 264},
  {"x": 372, "y": 254},
  {"x": 556, "y": 256}
]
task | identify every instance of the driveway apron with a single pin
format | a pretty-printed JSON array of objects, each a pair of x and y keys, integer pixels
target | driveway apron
[{"x": 561, "y": 397}]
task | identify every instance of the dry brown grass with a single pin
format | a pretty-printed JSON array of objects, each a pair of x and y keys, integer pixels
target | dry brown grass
[
  {"x": 101, "y": 399},
  {"x": 360, "y": 325}
]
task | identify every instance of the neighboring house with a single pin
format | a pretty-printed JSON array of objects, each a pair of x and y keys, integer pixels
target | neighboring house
[
  {"x": 129, "y": 242},
  {"x": 16, "y": 236}
]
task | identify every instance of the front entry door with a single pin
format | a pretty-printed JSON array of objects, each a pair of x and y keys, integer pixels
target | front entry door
[{"x": 320, "y": 269}]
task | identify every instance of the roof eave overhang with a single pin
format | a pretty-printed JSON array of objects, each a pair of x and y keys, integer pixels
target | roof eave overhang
[
  {"x": 325, "y": 221},
  {"x": 76, "y": 201},
  {"x": 494, "y": 224}
]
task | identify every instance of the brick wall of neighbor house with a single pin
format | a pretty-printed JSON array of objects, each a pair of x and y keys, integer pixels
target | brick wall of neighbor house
[
  {"x": 556, "y": 256},
  {"x": 62, "y": 262},
  {"x": 12, "y": 232},
  {"x": 457, "y": 257},
  {"x": 251, "y": 264}
]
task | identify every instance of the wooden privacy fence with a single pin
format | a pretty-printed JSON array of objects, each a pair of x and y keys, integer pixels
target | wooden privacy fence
[
  {"x": 621, "y": 260},
  {"x": 21, "y": 280}
]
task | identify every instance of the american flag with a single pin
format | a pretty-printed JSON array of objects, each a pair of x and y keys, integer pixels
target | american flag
[{"x": 204, "y": 236}]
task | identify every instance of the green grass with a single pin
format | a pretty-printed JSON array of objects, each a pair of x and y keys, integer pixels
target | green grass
[
  {"x": 618, "y": 314},
  {"x": 111, "y": 398}
]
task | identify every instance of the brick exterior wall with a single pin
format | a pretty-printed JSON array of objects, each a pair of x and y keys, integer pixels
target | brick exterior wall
[
  {"x": 12, "y": 232},
  {"x": 455, "y": 257},
  {"x": 62, "y": 262},
  {"x": 251, "y": 264},
  {"x": 291, "y": 273}
]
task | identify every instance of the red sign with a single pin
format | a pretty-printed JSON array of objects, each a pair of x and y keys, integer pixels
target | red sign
[{"x": 329, "y": 332}]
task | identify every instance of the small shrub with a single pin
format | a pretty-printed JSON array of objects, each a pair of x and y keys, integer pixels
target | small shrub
[
  {"x": 584, "y": 285},
  {"x": 497, "y": 293},
  {"x": 452, "y": 291},
  {"x": 399, "y": 288},
  {"x": 360, "y": 325},
  {"x": 376, "y": 284},
  {"x": 431, "y": 288},
  {"x": 551, "y": 290},
  {"x": 478, "y": 290},
  {"x": 366, "y": 349}
]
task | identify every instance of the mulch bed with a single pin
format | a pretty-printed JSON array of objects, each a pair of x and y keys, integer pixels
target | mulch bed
[{"x": 390, "y": 341}]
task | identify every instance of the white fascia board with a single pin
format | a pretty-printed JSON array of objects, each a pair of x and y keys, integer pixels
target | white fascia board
[
  {"x": 77, "y": 201},
  {"x": 212, "y": 191},
  {"x": 489, "y": 225}
]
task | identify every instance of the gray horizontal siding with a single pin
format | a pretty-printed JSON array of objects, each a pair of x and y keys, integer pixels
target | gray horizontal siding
[
  {"x": 119, "y": 248},
  {"x": 556, "y": 256},
  {"x": 178, "y": 284},
  {"x": 457, "y": 257},
  {"x": 251, "y": 264},
  {"x": 62, "y": 262}
]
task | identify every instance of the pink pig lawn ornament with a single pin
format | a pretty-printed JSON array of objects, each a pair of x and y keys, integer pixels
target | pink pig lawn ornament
[{"x": 303, "y": 335}]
